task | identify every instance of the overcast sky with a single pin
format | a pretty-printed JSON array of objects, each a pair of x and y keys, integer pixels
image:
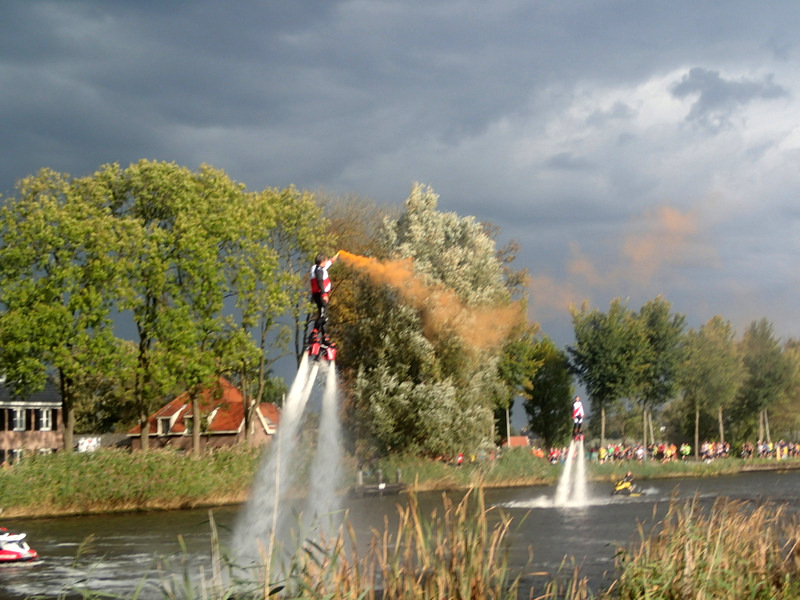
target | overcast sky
[{"x": 631, "y": 148}]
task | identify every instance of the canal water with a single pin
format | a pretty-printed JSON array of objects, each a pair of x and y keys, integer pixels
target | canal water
[{"x": 116, "y": 554}]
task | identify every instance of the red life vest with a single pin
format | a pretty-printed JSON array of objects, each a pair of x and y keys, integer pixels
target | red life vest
[{"x": 326, "y": 282}]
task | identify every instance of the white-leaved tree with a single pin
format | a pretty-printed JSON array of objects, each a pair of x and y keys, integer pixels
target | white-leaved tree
[{"x": 423, "y": 372}]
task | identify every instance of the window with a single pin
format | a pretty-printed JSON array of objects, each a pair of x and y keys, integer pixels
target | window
[
  {"x": 163, "y": 425},
  {"x": 45, "y": 419},
  {"x": 189, "y": 422},
  {"x": 19, "y": 419}
]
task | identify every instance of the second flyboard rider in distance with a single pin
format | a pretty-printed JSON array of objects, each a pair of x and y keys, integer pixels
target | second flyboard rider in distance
[
  {"x": 318, "y": 341},
  {"x": 577, "y": 419}
]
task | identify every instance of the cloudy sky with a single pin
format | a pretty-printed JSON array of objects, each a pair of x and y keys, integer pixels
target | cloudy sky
[{"x": 631, "y": 148}]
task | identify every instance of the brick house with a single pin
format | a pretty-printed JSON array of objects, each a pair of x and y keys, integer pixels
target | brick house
[
  {"x": 30, "y": 424},
  {"x": 222, "y": 406}
]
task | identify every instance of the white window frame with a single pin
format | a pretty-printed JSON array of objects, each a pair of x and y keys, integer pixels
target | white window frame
[
  {"x": 163, "y": 425},
  {"x": 46, "y": 419},
  {"x": 18, "y": 419}
]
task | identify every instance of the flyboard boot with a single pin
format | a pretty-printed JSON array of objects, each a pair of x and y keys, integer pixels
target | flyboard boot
[{"x": 319, "y": 342}]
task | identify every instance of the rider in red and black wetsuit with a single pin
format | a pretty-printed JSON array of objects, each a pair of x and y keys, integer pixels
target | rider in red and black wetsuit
[
  {"x": 577, "y": 418},
  {"x": 321, "y": 289}
]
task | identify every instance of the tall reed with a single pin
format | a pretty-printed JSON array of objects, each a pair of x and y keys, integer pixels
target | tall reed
[
  {"x": 460, "y": 553},
  {"x": 729, "y": 550}
]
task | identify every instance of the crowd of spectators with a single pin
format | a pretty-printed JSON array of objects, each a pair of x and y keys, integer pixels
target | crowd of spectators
[
  {"x": 779, "y": 450},
  {"x": 664, "y": 452}
]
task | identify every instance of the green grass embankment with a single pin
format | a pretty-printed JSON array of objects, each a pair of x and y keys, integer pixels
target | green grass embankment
[{"x": 117, "y": 480}]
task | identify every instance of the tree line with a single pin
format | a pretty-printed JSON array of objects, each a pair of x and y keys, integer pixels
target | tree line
[
  {"x": 701, "y": 382},
  {"x": 203, "y": 273},
  {"x": 131, "y": 285}
]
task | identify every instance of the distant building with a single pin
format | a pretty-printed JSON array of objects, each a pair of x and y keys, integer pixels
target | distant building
[
  {"x": 517, "y": 441},
  {"x": 222, "y": 407},
  {"x": 30, "y": 424}
]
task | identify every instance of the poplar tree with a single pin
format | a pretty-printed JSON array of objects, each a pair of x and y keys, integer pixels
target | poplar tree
[
  {"x": 548, "y": 393},
  {"x": 767, "y": 376},
  {"x": 659, "y": 376},
  {"x": 712, "y": 373},
  {"x": 608, "y": 355}
]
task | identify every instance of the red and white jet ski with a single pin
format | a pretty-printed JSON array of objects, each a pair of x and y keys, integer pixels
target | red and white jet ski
[{"x": 14, "y": 548}]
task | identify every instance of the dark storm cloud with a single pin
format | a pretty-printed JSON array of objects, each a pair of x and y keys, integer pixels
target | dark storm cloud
[
  {"x": 564, "y": 123},
  {"x": 718, "y": 97}
]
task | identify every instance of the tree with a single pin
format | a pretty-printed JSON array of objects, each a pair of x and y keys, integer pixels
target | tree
[
  {"x": 663, "y": 357},
  {"x": 419, "y": 381},
  {"x": 181, "y": 226},
  {"x": 548, "y": 392},
  {"x": 201, "y": 338},
  {"x": 788, "y": 405},
  {"x": 60, "y": 272},
  {"x": 712, "y": 373},
  {"x": 518, "y": 364},
  {"x": 268, "y": 279},
  {"x": 608, "y": 355},
  {"x": 767, "y": 376}
]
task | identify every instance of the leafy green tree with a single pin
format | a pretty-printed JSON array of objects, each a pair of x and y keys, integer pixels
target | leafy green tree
[
  {"x": 180, "y": 228},
  {"x": 419, "y": 381},
  {"x": 712, "y": 373},
  {"x": 60, "y": 272},
  {"x": 608, "y": 355},
  {"x": 279, "y": 229},
  {"x": 518, "y": 364},
  {"x": 789, "y": 406},
  {"x": 201, "y": 338},
  {"x": 548, "y": 393},
  {"x": 767, "y": 377},
  {"x": 300, "y": 232},
  {"x": 663, "y": 357}
]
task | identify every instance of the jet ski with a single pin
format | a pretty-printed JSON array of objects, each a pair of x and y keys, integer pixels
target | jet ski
[
  {"x": 14, "y": 548},
  {"x": 320, "y": 346},
  {"x": 626, "y": 488}
]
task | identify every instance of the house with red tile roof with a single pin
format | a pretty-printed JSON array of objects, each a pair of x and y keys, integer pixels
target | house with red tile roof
[{"x": 222, "y": 409}]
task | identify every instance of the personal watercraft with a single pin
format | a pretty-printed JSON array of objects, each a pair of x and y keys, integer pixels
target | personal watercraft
[
  {"x": 321, "y": 346},
  {"x": 14, "y": 548},
  {"x": 626, "y": 488}
]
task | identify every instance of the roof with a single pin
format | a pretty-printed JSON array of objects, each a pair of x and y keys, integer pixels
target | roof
[
  {"x": 222, "y": 404},
  {"x": 49, "y": 397}
]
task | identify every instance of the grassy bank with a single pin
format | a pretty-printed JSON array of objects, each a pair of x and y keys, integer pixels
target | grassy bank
[{"x": 116, "y": 480}]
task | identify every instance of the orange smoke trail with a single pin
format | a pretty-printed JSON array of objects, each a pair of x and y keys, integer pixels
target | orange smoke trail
[{"x": 442, "y": 310}]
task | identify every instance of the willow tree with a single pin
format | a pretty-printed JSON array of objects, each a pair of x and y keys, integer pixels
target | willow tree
[
  {"x": 422, "y": 380},
  {"x": 60, "y": 272}
]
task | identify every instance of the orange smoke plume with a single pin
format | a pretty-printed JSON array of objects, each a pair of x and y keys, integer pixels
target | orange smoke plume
[{"x": 442, "y": 310}]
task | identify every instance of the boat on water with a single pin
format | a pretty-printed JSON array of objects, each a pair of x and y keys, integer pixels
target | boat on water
[{"x": 14, "y": 548}]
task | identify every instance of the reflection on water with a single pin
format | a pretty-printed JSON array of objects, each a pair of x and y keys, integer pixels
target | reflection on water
[{"x": 117, "y": 553}]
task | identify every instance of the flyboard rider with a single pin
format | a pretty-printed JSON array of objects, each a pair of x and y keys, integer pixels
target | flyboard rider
[
  {"x": 577, "y": 418},
  {"x": 321, "y": 289}
]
